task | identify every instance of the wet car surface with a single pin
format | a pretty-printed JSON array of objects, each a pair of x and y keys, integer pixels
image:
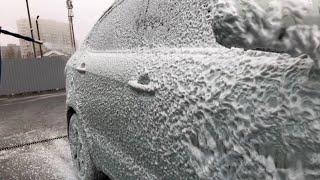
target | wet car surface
[{"x": 152, "y": 95}]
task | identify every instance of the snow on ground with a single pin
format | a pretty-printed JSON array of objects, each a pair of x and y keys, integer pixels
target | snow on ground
[
  {"x": 29, "y": 119},
  {"x": 42, "y": 161}
]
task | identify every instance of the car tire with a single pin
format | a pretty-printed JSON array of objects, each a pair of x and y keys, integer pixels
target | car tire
[{"x": 80, "y": 151}]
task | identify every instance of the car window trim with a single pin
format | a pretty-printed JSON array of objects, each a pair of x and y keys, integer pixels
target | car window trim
[{"x": 109, "y": 10}]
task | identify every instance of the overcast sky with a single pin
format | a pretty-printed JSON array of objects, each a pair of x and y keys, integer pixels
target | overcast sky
[{"x": 86, "y": 14}]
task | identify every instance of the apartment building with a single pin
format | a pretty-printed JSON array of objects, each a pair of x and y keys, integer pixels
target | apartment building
[
  {"x": 11, "y": 51},
  {"x": 313, "y": 6},
  {"x": 55, "y": 34}
]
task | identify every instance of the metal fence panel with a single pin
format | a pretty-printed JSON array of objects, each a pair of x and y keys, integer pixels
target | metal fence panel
[{"x": 22, "y": 76}]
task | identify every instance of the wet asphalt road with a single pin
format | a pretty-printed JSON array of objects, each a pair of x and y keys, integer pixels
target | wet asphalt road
[{"x": 30, "y": 119}]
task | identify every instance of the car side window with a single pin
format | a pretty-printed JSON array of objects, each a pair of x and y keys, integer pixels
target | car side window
[
  {"x": 117, "y": 29},
  {"x": 174, "y": 23}
]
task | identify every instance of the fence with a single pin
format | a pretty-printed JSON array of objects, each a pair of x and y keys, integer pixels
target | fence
[{"x": 22, "y": 76}]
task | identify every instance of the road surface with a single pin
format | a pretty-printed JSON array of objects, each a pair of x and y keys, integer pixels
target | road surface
[{"x": 25, "y": 120}]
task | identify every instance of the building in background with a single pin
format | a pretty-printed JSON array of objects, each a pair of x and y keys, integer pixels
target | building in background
[
  {"x": 11, "y": 51},
  {"x": 312, "y": 5},
  {"x": 312, "y": 17},
  {"x": 55, "y": 36}
]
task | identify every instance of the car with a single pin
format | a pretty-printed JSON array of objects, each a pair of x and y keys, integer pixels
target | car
[{"x": 151, "y": 94}]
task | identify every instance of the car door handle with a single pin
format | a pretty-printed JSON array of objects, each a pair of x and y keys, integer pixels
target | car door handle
[
  {"x": 146, "y": 88},
  {"x": 82, "y": 68}
]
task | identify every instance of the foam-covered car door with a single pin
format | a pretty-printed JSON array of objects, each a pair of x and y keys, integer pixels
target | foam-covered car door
[{"x": 115, "y": 94}]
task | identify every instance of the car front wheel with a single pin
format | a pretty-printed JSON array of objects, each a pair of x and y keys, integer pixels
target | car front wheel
[{"x": 80, "y": 151}]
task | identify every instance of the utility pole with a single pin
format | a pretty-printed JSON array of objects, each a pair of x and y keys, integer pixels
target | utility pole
[
  {"x": 40, "y": 45},
  {"x": 31, "y": 30},
  {"x": 70, "y": 16}
]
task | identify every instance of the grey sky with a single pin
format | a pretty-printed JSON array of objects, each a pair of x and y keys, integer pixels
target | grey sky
[{"x": 86, "y": 13}]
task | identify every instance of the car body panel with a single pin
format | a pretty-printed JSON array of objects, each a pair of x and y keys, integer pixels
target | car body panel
[
  {"x": 216, "y": 113},
  {"x": 210, "y": 104}
]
